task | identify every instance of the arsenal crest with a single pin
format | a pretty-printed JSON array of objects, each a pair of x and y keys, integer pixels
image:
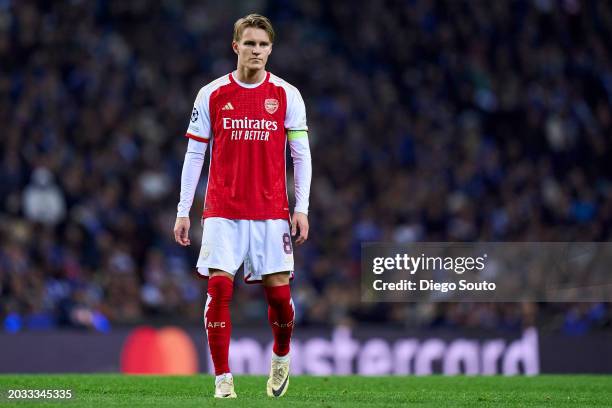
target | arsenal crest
[{"x": 271, "y": 105}]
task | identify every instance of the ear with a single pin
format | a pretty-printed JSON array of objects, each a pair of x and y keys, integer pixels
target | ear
[{"x": 235, "y": 47}]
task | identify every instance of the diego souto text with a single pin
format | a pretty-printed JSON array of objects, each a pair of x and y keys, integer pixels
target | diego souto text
[{"x": 430, "y": 285}]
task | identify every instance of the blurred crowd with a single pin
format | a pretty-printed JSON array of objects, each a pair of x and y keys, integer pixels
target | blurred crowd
[{"x": 429, "y": 121}]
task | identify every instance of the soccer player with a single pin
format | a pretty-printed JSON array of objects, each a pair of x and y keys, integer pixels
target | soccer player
[{"x": 247, "y": 117}]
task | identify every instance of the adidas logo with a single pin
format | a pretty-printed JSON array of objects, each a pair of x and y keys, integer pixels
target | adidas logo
[{"x": 228, "y": 106}]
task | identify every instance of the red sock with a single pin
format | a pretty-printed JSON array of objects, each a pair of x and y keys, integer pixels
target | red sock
[
  {"x": 280, "y": 316},
  {"x": 217, "y": 321}
]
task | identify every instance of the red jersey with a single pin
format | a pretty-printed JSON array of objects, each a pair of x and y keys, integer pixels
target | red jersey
[{"x": 246, "y": 125}]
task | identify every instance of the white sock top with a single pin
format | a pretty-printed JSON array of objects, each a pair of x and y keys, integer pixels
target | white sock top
[{"x": 284, "y": 358}]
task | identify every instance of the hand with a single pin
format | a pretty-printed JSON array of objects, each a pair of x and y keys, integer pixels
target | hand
[
  {"x": 181, "y": 231},
  {"x": 299, "y": 221}
]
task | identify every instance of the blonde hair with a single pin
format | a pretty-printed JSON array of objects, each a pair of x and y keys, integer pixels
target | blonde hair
[{"x": 256, "y": 21}]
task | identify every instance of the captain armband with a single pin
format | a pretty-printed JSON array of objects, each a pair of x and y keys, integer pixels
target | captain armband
[{"x": 296, "y": 134}]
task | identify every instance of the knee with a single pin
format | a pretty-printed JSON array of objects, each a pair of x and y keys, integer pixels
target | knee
[
  {"x": 278, "y": 295},
  {"x": 276, "y": 279},
  {"x": 220, "y": 288}
]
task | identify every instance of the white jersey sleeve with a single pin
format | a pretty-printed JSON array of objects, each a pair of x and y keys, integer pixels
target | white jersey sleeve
[
  {"x": 302, "y": 169},
  {"x": 199, "y": 131},
  {"x": 297, "y": 135},
  {"x": 192, "y": 167},
  {"x": 199, "y": 123},
  {"x": 295, "y": 118}
]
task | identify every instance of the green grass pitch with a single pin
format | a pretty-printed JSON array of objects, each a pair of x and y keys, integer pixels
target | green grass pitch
[{"x": 108, "y": 390}]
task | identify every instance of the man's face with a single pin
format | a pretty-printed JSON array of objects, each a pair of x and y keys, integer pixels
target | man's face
[{"x": 253, "y": 48}]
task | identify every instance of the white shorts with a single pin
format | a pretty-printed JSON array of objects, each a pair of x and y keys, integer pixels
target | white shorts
[{"x": 263, "y": 245}]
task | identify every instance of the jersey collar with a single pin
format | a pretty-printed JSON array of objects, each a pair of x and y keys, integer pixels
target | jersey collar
[{"x": 250, "y": 86}]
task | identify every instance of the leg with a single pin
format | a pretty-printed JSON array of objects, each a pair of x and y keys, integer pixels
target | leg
[
  {"x": 271, "y": 251},
  {"x": 280, "y": 310},
  {"x": 276, "y": 279},
  {"x": 218, "y": 322},
  {"x": 281, "y": 316},
  {"x": 224, "y": 246}
]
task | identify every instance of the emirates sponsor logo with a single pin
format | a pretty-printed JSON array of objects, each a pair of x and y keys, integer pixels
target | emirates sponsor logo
[
  {"x": 271, "y": 105},
  {"x": 249, "y": 124}
]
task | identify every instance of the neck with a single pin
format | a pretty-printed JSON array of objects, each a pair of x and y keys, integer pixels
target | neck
[{"x": 250, "y": 76}]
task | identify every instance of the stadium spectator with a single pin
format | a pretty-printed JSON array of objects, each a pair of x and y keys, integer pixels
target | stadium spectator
[{"x": 43, "y": 201}]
